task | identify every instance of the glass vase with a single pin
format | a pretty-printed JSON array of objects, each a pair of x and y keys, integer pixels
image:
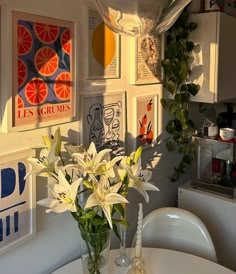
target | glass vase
[
  {"x": 122, "y": 259},
  {"x": 95, "y": 251}
]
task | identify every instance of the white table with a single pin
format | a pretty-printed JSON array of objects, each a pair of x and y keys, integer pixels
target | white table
[{"x": 157, "y": 261}]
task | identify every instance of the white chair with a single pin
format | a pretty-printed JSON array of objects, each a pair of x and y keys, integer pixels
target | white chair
[{"x": 177, "y": 229}]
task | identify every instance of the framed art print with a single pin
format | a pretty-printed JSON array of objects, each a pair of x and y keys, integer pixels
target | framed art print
[
  {"x": 103, "y": 120},
  {"x": 146, "y": 120},
  {"x": 43, "y": 71},
  {"x": 103, "y": 49},
  {"x": 17, "y": 200},
  {"x": 145, "y": 60}
]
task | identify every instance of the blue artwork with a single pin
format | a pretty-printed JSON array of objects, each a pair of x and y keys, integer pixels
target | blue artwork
[{"x": 15, "y": 203}]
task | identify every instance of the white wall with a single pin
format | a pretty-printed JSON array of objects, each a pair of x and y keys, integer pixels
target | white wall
[{"x": 57, "y": 237}]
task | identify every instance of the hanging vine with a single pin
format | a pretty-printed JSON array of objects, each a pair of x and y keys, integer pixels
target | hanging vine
[{"x": 176, "y": 68}]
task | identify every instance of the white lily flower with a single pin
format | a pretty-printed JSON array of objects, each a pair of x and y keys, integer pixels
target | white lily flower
[
  {"x": 139, "y": 178},
  {"x": 64, "y": 195},
  {"x": 105, "y": 196},
  {"x": 108, "y": 168},
  {"x": 90, "y": 162},
  {"x": 45, "y": 165},
  {"x": 56, "y": 139}
]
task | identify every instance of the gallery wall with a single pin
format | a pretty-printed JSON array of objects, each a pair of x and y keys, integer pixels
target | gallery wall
[{"x": 56, "y": 241}]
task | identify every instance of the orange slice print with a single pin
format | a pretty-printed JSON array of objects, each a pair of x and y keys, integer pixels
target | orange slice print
[
  {"x": 19, "y": 101},
  {"x": 103, "y": 45},
  {"x": 66, "y": 41},
  {"x": 36, "y": 91},
  {"x": 62, "y": 86},
  {"x": 24, "y": 41},
  {"x": 47, "y": 34},
  {"x": 46, "y": 61},
  {"x": 22, "y": 72}
]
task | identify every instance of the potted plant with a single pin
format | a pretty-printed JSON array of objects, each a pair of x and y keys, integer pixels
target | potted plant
[{"x": 177, "y": 68}]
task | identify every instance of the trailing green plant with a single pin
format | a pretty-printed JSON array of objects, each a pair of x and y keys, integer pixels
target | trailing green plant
[{"x": 177, "y": 68}]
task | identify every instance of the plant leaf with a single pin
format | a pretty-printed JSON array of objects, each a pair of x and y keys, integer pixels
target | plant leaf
[
  {"x": 164, "y": 103},
  {"x": 115, "y": 229},
  {"x": 120, "y": 209},
  {"x": 88, "y": 215},
  {"x": 138, "y": 153}
]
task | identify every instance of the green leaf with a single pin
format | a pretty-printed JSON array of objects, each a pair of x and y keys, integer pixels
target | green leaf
[
  {"x": 187, "y": 159},
  {"x": 124, "y": 222},
  {"x": 88, "y": 215},
  {"x": 165, "y": 63},
  {"x": 170, "y": 86},
  {"x": 138, "y": 153},
  {"x": 164, "y": 103},
  {"x": 87, "y": 184},
  {"x": 184, "y": 87},
  {"x": 192, "y": 26},
  {"x": 120, "y": 209},
  {"x": 183, "y": 71},
  {"x": 181, "y": 98},
  {"x": 173, "y": 179},
  {"x": 170, "y": 127},
  {"x": 172, "y": 107},
  {"x": 99, "y": 221},
  {"x": 182, "y": 116},
  {"x": 115, "y": 229},
  {"x": 178, "y": 126},
  {"x": 193, "y": 89},
  {"x": 189, "y": 46}
]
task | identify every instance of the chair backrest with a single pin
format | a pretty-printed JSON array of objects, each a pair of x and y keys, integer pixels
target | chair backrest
[{"x": 177, "y": 229}]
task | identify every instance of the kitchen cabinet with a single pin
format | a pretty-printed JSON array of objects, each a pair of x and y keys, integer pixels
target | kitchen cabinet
[
  {"x": 219, "y": 215},
  {"x": 214, "y": 65}
]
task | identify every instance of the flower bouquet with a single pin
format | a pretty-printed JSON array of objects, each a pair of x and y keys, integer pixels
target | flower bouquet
[{"x": 105, "y": 181}]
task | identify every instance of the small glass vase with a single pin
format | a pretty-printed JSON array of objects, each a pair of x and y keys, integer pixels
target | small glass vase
[
  {"x": 122, "y": 259},
  {"x": 95, "y": 251}
]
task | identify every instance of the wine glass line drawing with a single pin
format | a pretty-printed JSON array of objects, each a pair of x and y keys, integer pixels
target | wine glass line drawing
[
  {"x": 108, "y": 118},
  {"x": 104, "y": 123}
]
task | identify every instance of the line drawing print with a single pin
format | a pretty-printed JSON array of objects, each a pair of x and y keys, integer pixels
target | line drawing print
[{"x": 104, "y": 122}]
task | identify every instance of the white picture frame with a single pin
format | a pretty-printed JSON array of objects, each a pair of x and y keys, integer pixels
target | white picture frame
[
  {"x": 17, "y": 200},
  {"x": 146, "y": 54},
  {"x": 146, "y": 120},
  {"x": 101, "y": 63},
  {"x": 104, "y": 120},
  {"x": 25, "y": 108}
]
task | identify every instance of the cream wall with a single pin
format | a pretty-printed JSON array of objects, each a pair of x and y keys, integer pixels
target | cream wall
[{"x": 57, "y": 237}]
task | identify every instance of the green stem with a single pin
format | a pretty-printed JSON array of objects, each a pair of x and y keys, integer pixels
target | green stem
[
  {"x": 93, "y": 260},
  {"x": 63, "y": 163}
]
